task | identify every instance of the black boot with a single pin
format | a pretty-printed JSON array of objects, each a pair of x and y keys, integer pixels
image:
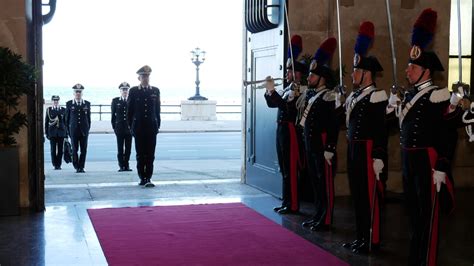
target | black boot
[
  {"x": 310, "y": 221},
  {"x": 361, "y": 248},
  {"x": 351, "y": 245},
  {"x": 148, "y": 183},
  {"x": 276, "y": 209},
  {"x": 142, "y": 182},
  {"x": 320, "y": 226}
]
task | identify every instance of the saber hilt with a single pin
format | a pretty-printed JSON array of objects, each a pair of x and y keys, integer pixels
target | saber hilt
[
  {"x": 462, "y": 89},
  {"x": 341, "y": 89},
  {"x": 398, "y": 90}
]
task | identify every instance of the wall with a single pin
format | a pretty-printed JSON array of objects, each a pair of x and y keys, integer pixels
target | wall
[
  {"x": 317, "y": 20},
  {"x": 13, "y": 34}
]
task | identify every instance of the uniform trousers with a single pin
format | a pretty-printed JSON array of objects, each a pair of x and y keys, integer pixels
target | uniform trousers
[
  {"x": 124, "y": 147},
  {"x": 322, "y": 181},
  {"x": 288, "y": 160},
  {"x": 79, "y": 141},
  {"x": 423, "y": 203},
  {"x": 145, "y": 144},
  {"x": 57, "y": 144},
  {"x": 361, "y": 183}
]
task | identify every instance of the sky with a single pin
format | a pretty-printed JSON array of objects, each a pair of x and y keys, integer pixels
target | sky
[{"x": 101, "y": 43}]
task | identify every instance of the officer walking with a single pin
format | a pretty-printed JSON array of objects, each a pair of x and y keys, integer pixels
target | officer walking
[
  {"x": 121, "y": 128},
  {"x": 144, "y": 119},
  {"x": 286, "y": 135},
  {"x": 320, "y": 134},
  {"x": 367, "y": 147},
  {"x": 55, "y": 129},
  {"x": 78, "y": 122}
]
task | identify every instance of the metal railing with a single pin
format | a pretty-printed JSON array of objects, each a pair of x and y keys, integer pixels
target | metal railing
[{"x": 165, "y": 109}]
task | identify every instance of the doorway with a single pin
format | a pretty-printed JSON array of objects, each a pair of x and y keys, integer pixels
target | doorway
[{"x": 102, "y": 44}]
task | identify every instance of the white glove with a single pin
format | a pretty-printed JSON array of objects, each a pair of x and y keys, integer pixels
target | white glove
[
  {"x": 302, "y": 88},
  {"x": 378, "y": 167},
  {"x": 338, "y": 100},
  {"x": 269, "y": 85},
  {"x": 455, "y": 98},
  {"x": 438, "y": 178},
  {"x": 328, "y": 156},
  {"x": 291, "y": 95},
  {"x": 393, "y": 100}
]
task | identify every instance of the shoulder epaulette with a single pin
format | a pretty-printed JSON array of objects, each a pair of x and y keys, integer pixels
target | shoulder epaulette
[
  {"x": 378, "y": 96},
  {"x": 440, "y": 95},
  {"x": 329, "y": 96}
]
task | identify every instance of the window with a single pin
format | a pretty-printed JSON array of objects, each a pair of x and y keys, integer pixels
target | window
[
  {"x": 466, "y": 43},
  {"x": 261, "y": 15}
]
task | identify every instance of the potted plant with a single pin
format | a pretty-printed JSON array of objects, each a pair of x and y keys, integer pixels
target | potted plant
[{"x": 17, "y": 79}]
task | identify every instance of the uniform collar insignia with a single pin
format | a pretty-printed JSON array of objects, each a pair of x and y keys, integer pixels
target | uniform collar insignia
[
  {"x": 321, "y": 88},
  {"x": 423, "y": 84}
]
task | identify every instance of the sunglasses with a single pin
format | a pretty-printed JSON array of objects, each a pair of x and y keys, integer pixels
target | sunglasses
[{"x": 78, "y": 91}]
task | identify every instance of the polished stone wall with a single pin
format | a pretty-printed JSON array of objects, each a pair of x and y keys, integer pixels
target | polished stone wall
[
  {"x": 13, "y": 34},
  {"x": 317, "y": 20}
]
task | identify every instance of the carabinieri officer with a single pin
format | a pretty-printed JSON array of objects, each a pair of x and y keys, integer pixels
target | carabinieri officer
[
  {"x": 78, "y": 121},
  {"x": 144, "y": 119},
  {"x": 121, "y": 128},
  {"x": 55, "y": 129}
]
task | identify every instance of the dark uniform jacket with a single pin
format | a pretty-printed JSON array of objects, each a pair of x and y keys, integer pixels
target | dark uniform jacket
[
  {"x": 55, "y": 125},
  {"x": 119, "y": 116},
  {"x": 78, "y": 118},
  {"x": 365, "y": 118},
  {"x": 285, "y": 103},
  {"x": 424, "y": 125},
  {"x": 320, "y": 119},
  {"x": 144, "y": 109}
]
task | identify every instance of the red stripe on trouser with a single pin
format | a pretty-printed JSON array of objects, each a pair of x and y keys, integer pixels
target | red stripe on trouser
[
  {"x": 433, "y": 237},
  {"x": 329, "y": 187},
  {"x": 450, "y": 187},
  {"x": 372, "y": 181},
  {"x": 294, "y": 161}
]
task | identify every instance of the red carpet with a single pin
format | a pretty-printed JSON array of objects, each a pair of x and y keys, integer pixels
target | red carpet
[{"x": 214, "y": 234}]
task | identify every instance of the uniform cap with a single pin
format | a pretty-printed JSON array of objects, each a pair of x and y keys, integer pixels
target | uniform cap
[
  {"x": 364, "y": 41},
  {"x": 422, "y": 35},
  {"x": 144, "y": 70},
  {"x": 296, "y": 49},
  {"x": 78, "y": 87},
  {"x": 124, "y": 86},
  {"x": 319, "y": 64}
]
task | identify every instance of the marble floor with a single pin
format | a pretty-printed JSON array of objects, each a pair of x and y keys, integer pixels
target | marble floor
[{"x": 63, "y": 234}]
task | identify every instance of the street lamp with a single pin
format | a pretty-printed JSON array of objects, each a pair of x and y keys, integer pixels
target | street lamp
[{"x": 197, "y": 57}]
